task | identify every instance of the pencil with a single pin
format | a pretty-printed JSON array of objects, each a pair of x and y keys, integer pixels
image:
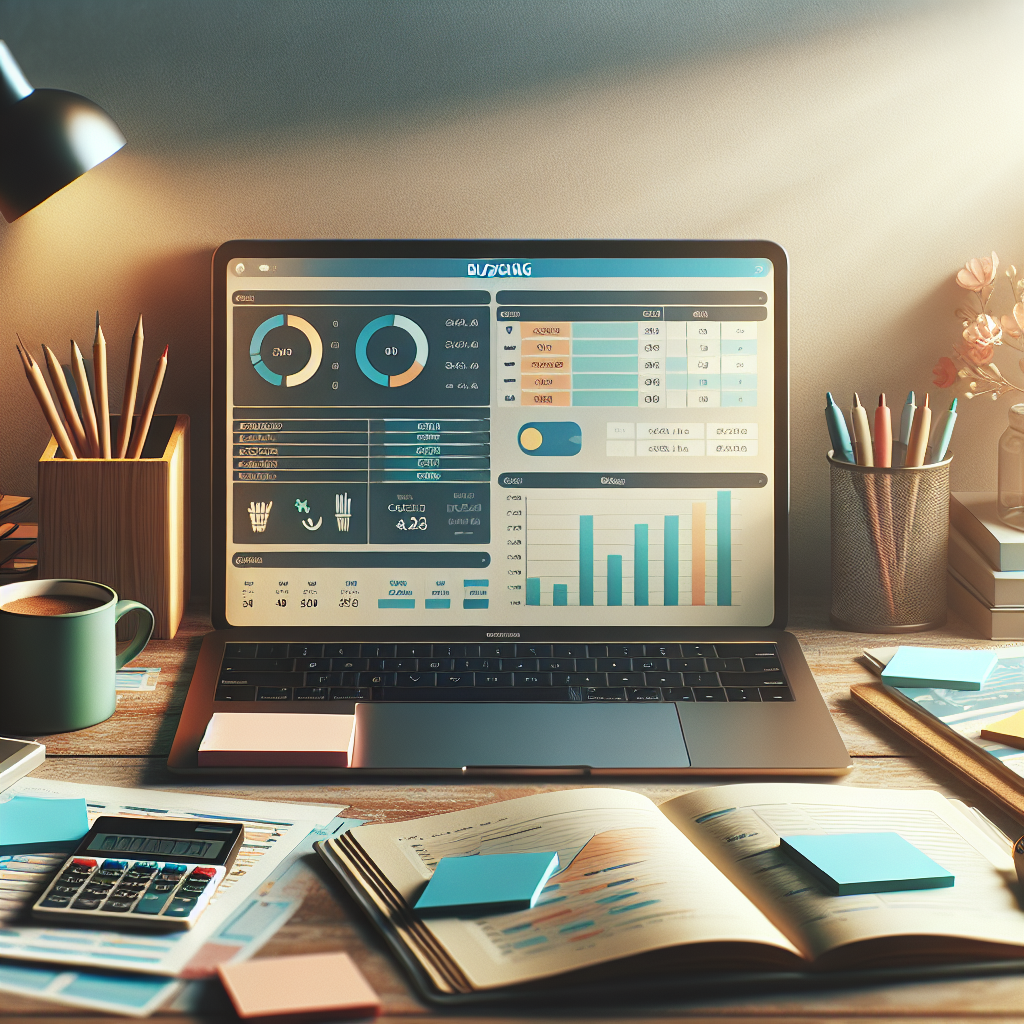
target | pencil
[
  {"x": 883, "y": 433},
  {"x": 146, "y": 416},
  {"x": 35, "y": 379},
  {"x": 99, "y": 369},
  {"x": 67, "y": 403},
  {"x": 85, "y": 400},
  {"x": 861, "y": 433},
  {"x": 918, "y": 443},
  {"x": 131, "y": 387}
]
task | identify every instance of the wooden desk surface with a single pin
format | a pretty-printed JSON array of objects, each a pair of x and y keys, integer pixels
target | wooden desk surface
[{"x": 130, "y": 750}]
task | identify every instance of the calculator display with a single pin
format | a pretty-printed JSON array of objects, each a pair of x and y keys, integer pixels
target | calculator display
[{"x": 155, "y": 846}]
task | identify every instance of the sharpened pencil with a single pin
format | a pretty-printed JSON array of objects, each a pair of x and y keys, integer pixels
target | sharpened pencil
[
  {"x": 99, "y": 369},
  {"x": 146, "y": 416},
  {"x": 35, "y": 379},
  {"x": 131, "y": 387},
  {"x": 85, "y": 400},
  {"x": 67, "y": 403}
]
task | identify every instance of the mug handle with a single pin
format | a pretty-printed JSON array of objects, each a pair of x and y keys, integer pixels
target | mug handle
[{"x": 142, "y": 634}]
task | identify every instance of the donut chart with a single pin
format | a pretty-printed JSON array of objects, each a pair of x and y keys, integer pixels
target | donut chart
[
  {"x": 316, "y": 350},
  {"x": 411, "y": 328}
]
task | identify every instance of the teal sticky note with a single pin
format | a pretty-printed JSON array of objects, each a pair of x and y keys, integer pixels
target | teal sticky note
[
  {"x": 495, "y": 882},
  {"x": 32, "y": 825},
  {"x": 863, "y": 862},
  {"x": 937, "y": 666}
]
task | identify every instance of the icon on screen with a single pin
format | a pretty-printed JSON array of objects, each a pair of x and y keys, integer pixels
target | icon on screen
[
  {"x": 259, "y": 513},
  {"x": 557, "y": 437}
]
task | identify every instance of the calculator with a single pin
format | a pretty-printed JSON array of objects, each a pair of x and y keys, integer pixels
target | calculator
[{"x": 142, "y": 873}]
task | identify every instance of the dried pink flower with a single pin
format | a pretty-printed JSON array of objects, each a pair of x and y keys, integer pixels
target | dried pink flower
[
  {"x": 945, "y": 372},
  {"x": 979, "y": 273},
  {"x": 1010, "y": 326}
]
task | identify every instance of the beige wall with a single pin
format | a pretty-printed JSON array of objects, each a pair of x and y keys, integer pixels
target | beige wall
[{"x": 880, "y": 143}]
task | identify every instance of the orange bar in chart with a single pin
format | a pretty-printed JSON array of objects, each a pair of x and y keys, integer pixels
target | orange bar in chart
[
  {"x": 697, "y": 544},
  {"x": 552, "y": 398},
  {"x": 545, "y": 331}
]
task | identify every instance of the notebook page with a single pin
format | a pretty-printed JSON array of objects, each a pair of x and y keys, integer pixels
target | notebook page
[
  {"x": 739, "y": 827},
  {"x": 628, "y": 883}
]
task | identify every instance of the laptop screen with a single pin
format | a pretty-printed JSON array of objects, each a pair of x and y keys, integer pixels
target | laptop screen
[{"x": 563, "y": 436}]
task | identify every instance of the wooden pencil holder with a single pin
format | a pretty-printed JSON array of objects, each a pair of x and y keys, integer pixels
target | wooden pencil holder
[{"x": 122, "y": 522}]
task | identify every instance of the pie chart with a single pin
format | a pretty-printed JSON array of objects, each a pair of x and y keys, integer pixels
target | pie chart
[
  {"x": 316, "y": 350},
  {"x": 414, "y": 331}
]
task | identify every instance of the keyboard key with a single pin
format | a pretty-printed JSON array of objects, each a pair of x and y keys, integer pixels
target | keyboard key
[
  {"x": 455, "y": 679},
  {"x": 716, "y": 695},
  {"x": 234, "y": 666},
  {"x": 497, "y": 650},
  {"x": 437, "y": 664},
  {"x": 350, "y": 693},
  {"x": 377, "y": 651},
  {"x": 398, "y": 665},
  {"x": 688, "y": 665},
  {"x": 349, "y": 664},
  {"x": 477, "y": 664},
  {"x": 341, "y": 650},
  {"x": 323, "y": 679},
  {"x": 580, "y": 679},
  {"x": 531, "y": 678},
  {"x": 272, "y": 651},
  {"x": 570, "y": 651},
  {"x": 699, "y": 651},
  {"x": 86, "y": 903},
  {"x": 453, "y": 650},
  {"x": 151, "y": 903},
  {"x": 375, "y": 678},
  {"x": 273, "y": 693},
  {"x": 310, "y": 693},
  {"x": 521, "y": 664},
  {"x": 626, "y": 679},
  {"x": 605, "y": 693},
  {"x": 235, "y": 693},
  {"x": 725, "y": 664},
  {"x": 312, "y": 664},
  {"x": 662, "y": 650},
  {"x": 493, "y": 678},
  {"x": 118, "y": 906},
  {"x": 614, "y": 665},
  {"x": 769, "y": 695},
  {"x": 414, "y": 651},
  {"x": 650, "y": 664},
  {"x": 743, "y": 693},
  {"x": 663, "y": 678},
  {"x": 625, "y": 650},
  {"x": 745, "y": 650},
  {"x": 240, "y": 650},
  {"x": 752, "y": 678},
  {"x": 557, "y": 664},
  {"x": 638, "y": 693},
  {"x": 533, "y": 650},
  {"x": 762, "y": 664},
  {"x": 701, "y": 679},
  {"x": 416, "y": 679},
  {"x": 306, "y": 651}
]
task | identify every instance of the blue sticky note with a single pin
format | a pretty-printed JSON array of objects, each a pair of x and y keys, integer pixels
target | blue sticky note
[
  {"x": 492, "y": 882},
  {"x": 31, "y": 825},
  {"x": 937, "y": 666},
  {"x": 862, "y": 862}
]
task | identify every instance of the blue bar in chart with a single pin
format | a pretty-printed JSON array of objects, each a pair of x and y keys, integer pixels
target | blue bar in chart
[
  {"x": 723, "y": 529},
  {"x": 560, "y": 594},
  {"x": 614, "y": 579},
  {"x": 533, "y": 590},
  {"x": 671, "y": 560},
  {"x": 586, "y": 560},
  {"x": 640, "y": 564}
]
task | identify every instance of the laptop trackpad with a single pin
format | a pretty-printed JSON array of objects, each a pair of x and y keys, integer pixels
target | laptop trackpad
[{"x": 521, "y": 735}]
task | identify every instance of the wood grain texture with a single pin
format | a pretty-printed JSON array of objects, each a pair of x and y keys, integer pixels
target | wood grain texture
[
  {"x": 121, "y": 522},
  {"x": 130, "y": 750}
]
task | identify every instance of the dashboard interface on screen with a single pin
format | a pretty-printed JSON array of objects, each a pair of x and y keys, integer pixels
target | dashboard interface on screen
[{"x": 534, "y": 442}]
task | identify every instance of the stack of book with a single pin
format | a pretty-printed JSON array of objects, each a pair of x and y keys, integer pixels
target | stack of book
[
  {"x": 17, "y": 541},
  {"x": 986, "y": 567}
]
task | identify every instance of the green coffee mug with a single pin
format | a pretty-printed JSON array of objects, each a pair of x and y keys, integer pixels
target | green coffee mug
[{"x": 57, "y": 667}]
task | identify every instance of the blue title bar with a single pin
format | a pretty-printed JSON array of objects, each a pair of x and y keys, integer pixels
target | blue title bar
[{"x": 503, "y": 268}]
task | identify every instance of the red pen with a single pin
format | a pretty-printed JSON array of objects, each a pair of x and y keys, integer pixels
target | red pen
[{"x": 883, "y": 433}]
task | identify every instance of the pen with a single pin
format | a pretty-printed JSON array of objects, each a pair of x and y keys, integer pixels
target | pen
[
  {"x": 837, "y": 432},
  {"x": 918, "y": 442},
  {"x": 99, "y": 369},
  {"x": 861, "y": 433},
  {"x": 906, "y": 421},
  {"x": 883, "y": 433},
  {"x": 942, "y": 433}
]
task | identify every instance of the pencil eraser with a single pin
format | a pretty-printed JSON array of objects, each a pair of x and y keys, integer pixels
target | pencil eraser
[
  {"x": 252, "y": 740},
  {"x": 496, "y": 882},
  {"x": 940, "y": 667},
  {"x": 860, "y": 862},
  {"x": 314, "y": 986},
  {"x": 31, "y": 824},
  {"x": 1007, "y": 730}
]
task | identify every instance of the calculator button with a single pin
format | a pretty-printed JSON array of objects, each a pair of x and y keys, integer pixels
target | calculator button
[
  {"x": 65, "y": 890},
  {"x": 56, "y": 901},
  {"x": 114, "y": 865},
  {"x": 167, "y": 886},
  {"x": 180, "y": 908},
  {"x": 203, "y": 873},
  {"x": 123, "y": 892},
  {"x": 118, "y": 906},
  {"x": 83, "y": 863},
  {"x": 87, "y": 903},
  {"x": 151, "y": 903}
]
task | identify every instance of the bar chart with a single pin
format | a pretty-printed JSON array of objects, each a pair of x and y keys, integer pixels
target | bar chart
[{"x": 633, "y": 550}]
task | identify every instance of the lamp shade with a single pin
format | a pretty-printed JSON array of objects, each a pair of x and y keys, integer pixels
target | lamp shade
[{"x": 48, "y": 138}]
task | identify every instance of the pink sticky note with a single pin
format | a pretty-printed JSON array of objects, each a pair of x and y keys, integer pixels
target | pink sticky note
[
  {"x": 252, "y": 740},
  {"x": 308, "y": 987}
]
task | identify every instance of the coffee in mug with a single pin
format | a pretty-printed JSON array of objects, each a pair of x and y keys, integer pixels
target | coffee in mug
[{"x": 58, "y": 655}]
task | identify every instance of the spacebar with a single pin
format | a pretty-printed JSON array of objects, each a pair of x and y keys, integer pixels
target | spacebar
[{"x": 462, "y": 694}]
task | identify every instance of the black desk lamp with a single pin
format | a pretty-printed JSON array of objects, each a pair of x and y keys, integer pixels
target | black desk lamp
[{"x": 48, "y": 138}]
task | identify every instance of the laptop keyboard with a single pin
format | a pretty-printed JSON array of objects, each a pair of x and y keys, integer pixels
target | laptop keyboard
[{"x": 727, "y": 672}]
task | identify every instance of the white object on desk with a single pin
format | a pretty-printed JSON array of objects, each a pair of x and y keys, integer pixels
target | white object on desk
[
  {"x": 18, "y": 758},
  {"x": 271, "y": 740}
]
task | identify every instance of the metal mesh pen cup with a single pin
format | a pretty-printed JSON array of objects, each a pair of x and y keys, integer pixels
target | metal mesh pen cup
[{"x": 889, "y": 534}]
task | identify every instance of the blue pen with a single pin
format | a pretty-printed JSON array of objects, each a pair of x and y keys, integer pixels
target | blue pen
[
  {"x": 899, "y": 455},
  {"x": 943, "y": 432},
  {"x": 842, "y": 449}
]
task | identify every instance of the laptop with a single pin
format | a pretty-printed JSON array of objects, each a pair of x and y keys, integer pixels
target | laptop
[{"x": 519, "y": 506}]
